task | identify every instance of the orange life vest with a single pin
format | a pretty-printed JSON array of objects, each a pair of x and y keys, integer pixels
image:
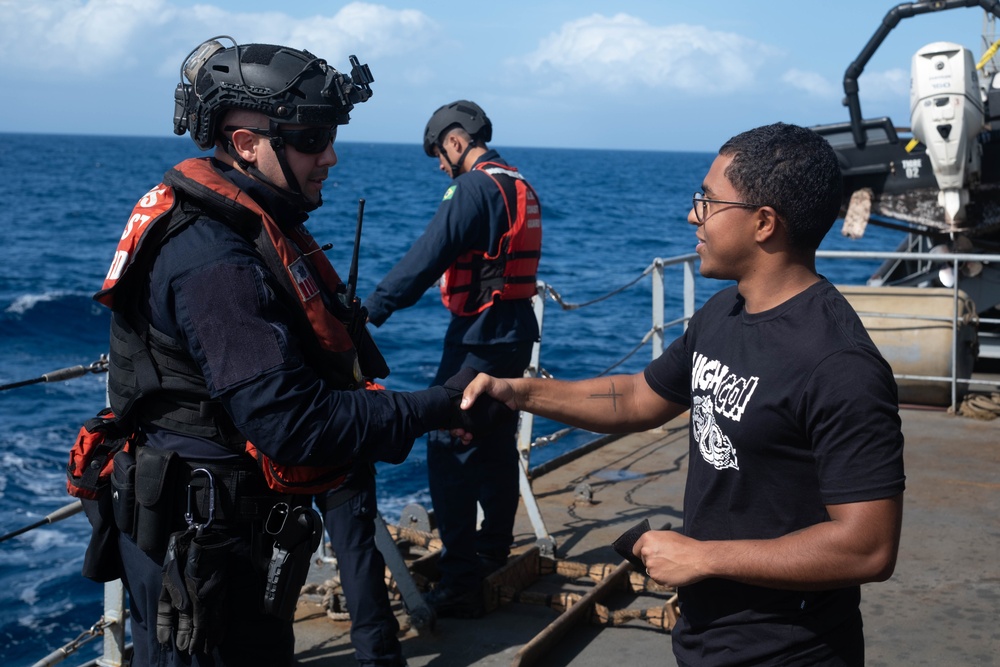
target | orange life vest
[
  {"x": 470, "y": 285},
  {"x": 303, "y": 263},
  {"x": 160, "y": 200}
]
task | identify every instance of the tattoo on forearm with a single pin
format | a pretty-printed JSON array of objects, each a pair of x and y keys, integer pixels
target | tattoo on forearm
[{"x": 612, "y": 394}]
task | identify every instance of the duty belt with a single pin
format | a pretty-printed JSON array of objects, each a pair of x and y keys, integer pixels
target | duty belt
[{"x": 240, "y": 494}]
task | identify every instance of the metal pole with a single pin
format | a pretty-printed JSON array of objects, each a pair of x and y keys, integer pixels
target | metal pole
[
  {"x": 524, "y": 429},
  {"x": 546, "y": 545},
  {"x": 526, "y": 424},
  {"x": 421, "y": 614},
  {"x": 63, "y": 512},
  {"x": 954, "y": 340},
  {"x": 689, "y": 278},
  {"x": 114, "y": 633},
  {"x": 658, "y": 298}
]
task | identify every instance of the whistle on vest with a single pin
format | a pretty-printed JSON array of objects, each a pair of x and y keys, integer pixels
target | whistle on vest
[{"x": 297, "y": 532}]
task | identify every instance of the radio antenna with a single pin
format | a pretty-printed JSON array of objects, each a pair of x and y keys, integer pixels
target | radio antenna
[{"x": 352, "y": 277}]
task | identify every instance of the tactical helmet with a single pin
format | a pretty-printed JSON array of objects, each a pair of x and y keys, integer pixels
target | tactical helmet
[
  {"x": 463, "y": 113},
  {"x": 286, "y": 85}
]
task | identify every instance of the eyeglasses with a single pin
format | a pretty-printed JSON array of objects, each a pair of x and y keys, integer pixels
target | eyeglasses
[
  {"x": 311, "y": 140},
  {"x": 699, "y": 202}
]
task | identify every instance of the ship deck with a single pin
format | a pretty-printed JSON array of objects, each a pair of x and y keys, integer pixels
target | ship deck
[{"x": 940, "y": 607}]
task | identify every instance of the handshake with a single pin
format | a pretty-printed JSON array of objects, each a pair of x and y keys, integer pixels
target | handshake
[{"x": 485, "y": 414}]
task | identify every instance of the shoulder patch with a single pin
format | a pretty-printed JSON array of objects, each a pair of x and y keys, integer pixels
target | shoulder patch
[{"x": 449, "y": 193}]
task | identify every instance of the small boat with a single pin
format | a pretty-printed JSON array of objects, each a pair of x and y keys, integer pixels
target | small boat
[{"x": 938, "y": 179}]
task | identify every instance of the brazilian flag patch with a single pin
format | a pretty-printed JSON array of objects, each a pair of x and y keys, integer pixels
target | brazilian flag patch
[{"x": 449, "y": 193}]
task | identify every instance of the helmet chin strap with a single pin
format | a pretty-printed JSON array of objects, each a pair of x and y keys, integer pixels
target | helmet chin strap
[
  {"x": 293, "y": 193},
  {"x": 294, "y": 190},
  {"x": 461, "y": 158}
]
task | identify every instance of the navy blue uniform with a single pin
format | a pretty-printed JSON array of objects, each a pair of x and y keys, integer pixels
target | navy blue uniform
[
  {"x": 209, "y": 288},
  {"x": 210, "y": 291},
  {"x": 471, "y": 216},
  {"x": 351, "y": 526}
]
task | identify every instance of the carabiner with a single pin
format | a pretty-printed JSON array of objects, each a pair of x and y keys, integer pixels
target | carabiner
[
  {"x": 189, "y": 514},
  {"x": 275, "y": 522}
]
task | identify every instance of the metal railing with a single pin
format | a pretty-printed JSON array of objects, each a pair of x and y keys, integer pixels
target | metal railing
[
  {"x": 686, "y": 263},
  {"x": 954, "y": 260},
  {"x": 111, "y": 624}
]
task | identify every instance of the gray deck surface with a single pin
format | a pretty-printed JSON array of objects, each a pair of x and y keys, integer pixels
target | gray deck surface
[{"x": 941, "y": 607}]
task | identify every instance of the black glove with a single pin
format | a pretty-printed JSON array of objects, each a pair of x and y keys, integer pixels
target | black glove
[
  {"x": 205, "y": 579},
  {"x": 486, "y": 413},
  {"x": 173, "y": 613}
]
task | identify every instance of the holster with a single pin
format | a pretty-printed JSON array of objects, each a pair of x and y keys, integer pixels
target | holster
[{"x": 297, "y": 532}]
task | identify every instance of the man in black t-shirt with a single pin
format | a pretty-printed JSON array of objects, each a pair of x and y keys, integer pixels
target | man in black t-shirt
[{"x": 795, "y": 480}]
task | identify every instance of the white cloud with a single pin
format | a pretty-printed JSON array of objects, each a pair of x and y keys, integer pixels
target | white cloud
[
  {"x": 891, "y": 84},
  {"x": 810, "y": 82},
  {"x": 100, "y": 38},
  {"x": 72, "y": 37},
  {"x": 368, "y": 29},
  {"x": 623, "y": 51}
]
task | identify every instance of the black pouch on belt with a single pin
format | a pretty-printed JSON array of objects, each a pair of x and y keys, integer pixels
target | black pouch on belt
[
  {"x": 123, "y": 491},
  {"x": 155, "y": 472},
  {"x": 102, "y": 562}
]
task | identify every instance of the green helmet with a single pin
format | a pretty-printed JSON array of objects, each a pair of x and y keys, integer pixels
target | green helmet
[
  {"x": 286, "y": 85},
  {"x": 463, "y": 113}
]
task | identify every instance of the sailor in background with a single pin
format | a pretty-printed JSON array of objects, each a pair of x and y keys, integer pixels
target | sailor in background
[{"x": 484, "y": 244}]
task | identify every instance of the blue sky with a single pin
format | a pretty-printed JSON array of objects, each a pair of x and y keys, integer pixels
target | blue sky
[{"x": 653, "y": 74}]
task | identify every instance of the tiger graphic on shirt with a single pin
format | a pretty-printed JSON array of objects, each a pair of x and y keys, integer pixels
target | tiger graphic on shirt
[{"x": 717, "y": 391}]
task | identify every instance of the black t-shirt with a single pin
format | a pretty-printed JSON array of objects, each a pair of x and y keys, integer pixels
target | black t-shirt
[{"x": 792, "y": 409}]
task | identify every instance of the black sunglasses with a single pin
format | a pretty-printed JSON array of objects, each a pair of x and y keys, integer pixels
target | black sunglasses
[{"x": 311, "y": 140}]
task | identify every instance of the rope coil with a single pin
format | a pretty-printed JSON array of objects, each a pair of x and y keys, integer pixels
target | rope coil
[{"x": 983, "y": 406}]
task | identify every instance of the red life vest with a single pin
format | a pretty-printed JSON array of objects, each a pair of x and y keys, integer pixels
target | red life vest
[
  {"x": 303, "y": 264},
  {"x": 470, "y": 285},
  {"x": 160, "y": 200}
]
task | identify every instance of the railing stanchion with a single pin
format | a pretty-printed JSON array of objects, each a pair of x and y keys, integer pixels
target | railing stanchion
[
  {"x": 689, "y": 279},
  {"x": 114, "y": 634},
  {"x": 526, "y": 424},
  {"x": 524, "y": 429},
  {"x": 658, "y": 298},
  {"x": 954, "y": 339}
]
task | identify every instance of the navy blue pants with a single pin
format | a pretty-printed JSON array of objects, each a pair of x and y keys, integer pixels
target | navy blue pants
[
  {"x": 484, "y": 472},
  {"x": 351, "y": 527}
]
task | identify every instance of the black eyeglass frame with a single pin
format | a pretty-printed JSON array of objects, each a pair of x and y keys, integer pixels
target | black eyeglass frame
[
  {"x": 701, "y": 216},
  {"x": 307, "y": 140}
]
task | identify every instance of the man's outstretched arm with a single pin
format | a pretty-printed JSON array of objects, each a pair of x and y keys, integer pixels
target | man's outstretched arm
[{"x": 617, "y": 404}]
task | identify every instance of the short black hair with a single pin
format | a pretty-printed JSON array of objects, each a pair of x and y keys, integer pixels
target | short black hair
[{"x": 793, "y": 170}]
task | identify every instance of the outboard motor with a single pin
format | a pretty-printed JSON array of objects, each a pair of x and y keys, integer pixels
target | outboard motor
[{"x": 946, "y": 114}]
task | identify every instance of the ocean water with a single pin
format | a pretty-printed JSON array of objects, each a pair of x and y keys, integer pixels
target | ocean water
[{"x": 64, "y": 201}]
